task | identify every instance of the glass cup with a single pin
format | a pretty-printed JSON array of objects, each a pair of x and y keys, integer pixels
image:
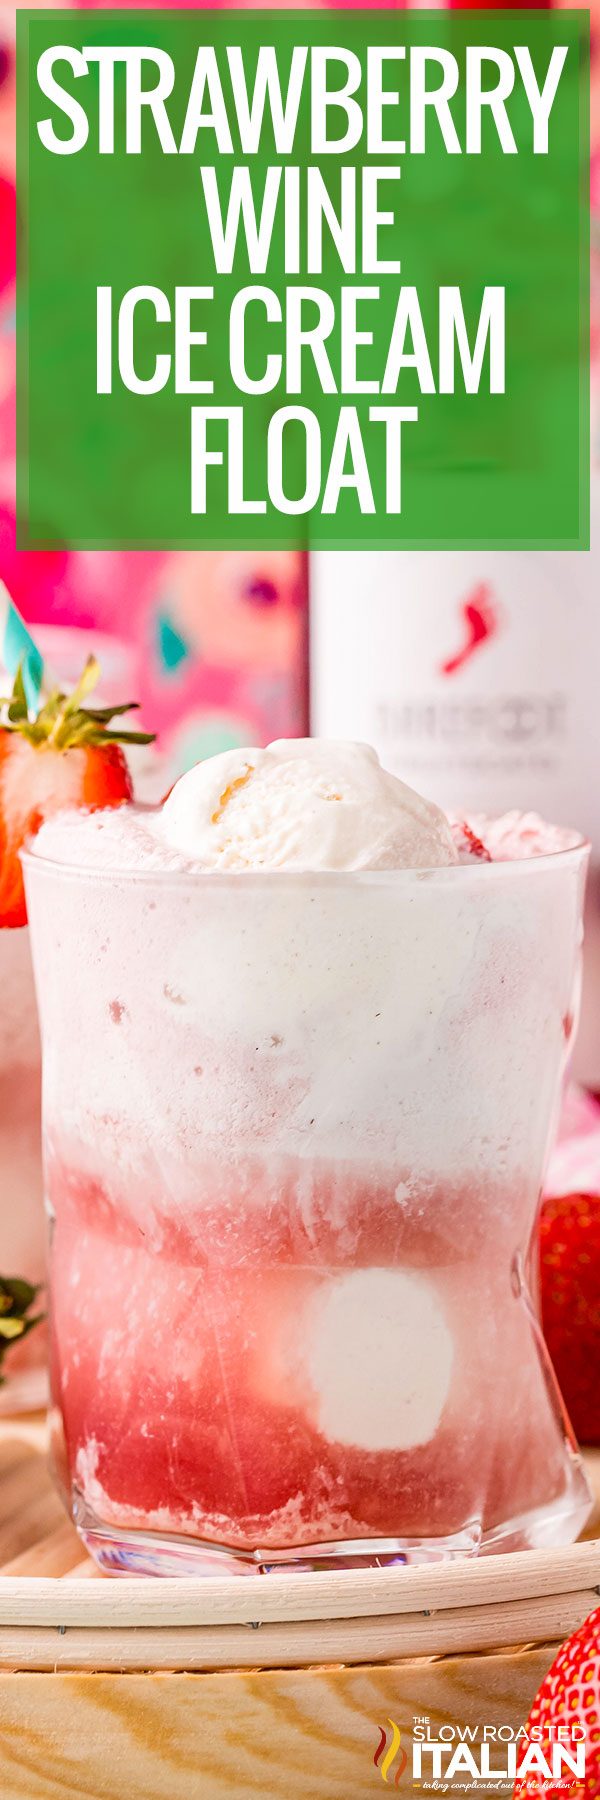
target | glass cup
[
  {"x": 22, "y": 1229},
  {"x": 295, "y": 1131}
]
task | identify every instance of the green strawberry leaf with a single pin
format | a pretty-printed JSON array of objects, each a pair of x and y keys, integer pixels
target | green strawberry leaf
[
  {"x": 64, "y": 721},
  {"x": 17, "y": 1297},
  {"x": 17, "y": 708}
]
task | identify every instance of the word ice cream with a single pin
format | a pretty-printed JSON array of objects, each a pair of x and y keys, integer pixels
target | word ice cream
[
  {"x": 306, "y": 334},
  {"x": 300, "y": 1075}
]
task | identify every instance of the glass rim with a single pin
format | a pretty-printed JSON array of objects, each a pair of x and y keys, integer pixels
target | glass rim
[{"x": 576, "y": 853}]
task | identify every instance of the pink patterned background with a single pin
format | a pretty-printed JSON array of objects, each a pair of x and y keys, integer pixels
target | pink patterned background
[{"x": 218, "y": 641}]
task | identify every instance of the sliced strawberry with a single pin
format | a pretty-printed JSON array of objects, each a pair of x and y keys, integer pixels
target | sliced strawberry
[
  {"x": 569, "y": 1695},
  {"x": 66, "y": 756},
  {"x": 467, "y": 842}
]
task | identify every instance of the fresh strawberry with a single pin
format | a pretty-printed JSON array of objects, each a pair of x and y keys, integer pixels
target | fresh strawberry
[
  {"x": 66, "y": 756},
  {"x": 569, "y": 1694},
  {"x": 570, "y": 1287},
  {"x": 467, "y": 842}
]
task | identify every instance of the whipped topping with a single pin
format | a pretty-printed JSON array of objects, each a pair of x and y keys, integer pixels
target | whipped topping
[
  {"x": 394, "y": 1019},
  {"x": 303, "y": 803},
  {"x": 516, "y": 836}
]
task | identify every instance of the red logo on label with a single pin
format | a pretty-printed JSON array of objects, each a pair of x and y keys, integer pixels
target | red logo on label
[{"x": 481, "y": 620}]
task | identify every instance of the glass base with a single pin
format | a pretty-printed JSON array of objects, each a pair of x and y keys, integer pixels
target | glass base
[{"x": 121, "y": 1551}]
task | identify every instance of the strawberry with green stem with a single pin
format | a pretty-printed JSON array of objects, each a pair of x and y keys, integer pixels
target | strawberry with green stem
[
  {"x": 16, "y": 1317},
  {"x": 68, "y": 755}
]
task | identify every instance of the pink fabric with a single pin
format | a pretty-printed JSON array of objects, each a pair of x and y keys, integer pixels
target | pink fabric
[
  {"x": 7, "y": 232},
  {"x": 574, "y": 1166},
  {"x": 220, "y": 641}
]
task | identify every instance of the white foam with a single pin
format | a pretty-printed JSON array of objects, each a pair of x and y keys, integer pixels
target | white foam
[
  {"x": 133, "y": 839},
  {"x": 300, "y": 804},
  {"x": 517, "y": 836},
  {"x": 408, "y": 1020},
  {"x": 122, "y": 838}
]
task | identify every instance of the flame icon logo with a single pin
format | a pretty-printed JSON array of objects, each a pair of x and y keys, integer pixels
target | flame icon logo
[
  {"x": 480, "y": 619},
  {"x": 393, "y": 1751}
]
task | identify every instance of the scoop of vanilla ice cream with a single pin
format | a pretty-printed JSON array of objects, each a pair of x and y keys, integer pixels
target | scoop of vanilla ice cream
[
  {"x": 379, "y": 1357},
  {"x": 303, "y": 803}
]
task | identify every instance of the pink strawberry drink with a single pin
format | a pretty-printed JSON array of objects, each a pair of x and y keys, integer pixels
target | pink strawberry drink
[{"x": 302, "y": 1044}]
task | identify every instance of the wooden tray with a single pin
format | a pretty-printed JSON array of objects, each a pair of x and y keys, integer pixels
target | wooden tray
[{"x": 171, "y": 1690}]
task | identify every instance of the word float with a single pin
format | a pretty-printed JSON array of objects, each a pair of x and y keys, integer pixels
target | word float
[{"x": 347, "y": 463}]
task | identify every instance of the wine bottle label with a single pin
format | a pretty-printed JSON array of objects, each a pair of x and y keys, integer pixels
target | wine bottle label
[{"x": 474, "y": 674}]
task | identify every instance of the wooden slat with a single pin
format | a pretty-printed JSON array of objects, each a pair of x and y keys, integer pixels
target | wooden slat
[
  {"x": 85, "y": 1570},
  {"x": 56, "y": 1554},
  {"x": 32, "y": 1518},
  {"x": 345, "y": 1594},
  {"x": 25, "y": 1480},
  {"x": 302, "y": 1643},
  {"x": 288, "y": 1735},
  {"x": 25, "y": 1428}
]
